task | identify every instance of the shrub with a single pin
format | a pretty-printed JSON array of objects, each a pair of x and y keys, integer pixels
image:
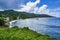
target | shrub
[
  {"x": 15, "y": 27},
  {"x": 2, "y": 21},
  {"x": 25, "y": 28}
]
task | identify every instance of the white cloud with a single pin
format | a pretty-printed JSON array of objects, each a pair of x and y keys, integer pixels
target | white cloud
[
  {"x": 42, "y": 8},
  {"x": 1, "y": 10},
  {"x": 52, "y": 12},
  {"x": 31, "y": 7}
]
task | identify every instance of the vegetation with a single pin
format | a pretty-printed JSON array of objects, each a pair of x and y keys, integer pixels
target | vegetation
[
  {"x": 8, "y": 15},
  {"x": 14, "y": 14},
  {"x": 2, "y": 21},
  {"x": 16, "y": 33}
]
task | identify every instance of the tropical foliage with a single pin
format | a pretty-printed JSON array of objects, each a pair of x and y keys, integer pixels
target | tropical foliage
[
  {"x": 16, "y": 33},
  {"x": 2, "y": 21},
  {"x": 14, "y": 14}
]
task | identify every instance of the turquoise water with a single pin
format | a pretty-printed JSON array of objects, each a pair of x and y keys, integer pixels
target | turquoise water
[{"x": 50, "y": 26}]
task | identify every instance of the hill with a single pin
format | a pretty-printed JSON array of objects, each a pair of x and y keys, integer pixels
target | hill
[
  {"x": 14, "y": 14},
  {"x": 22, "y": 34}
]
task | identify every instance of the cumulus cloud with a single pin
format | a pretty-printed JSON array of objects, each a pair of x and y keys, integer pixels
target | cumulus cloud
[
  {"x": 31, "y": 7},
  {"x": 42, "y": 8},
  {"x": 54, "y": 12},
  {"x": 1, "y": 10}
]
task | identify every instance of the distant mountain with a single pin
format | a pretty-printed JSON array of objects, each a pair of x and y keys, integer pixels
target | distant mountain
[{"x": 14, "y": 14}]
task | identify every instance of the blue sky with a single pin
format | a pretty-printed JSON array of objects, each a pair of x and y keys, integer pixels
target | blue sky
[
  {"x": 50, "y": 3},
  {"x": 14, "y": 4},
  {"x": 50, "y": 7}
]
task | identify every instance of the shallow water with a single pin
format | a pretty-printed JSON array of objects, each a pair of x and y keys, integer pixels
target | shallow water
[{"x": 50, "y": 26}]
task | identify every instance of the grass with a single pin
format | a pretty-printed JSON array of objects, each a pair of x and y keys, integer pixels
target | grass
[{"x": 22, "y": 34}]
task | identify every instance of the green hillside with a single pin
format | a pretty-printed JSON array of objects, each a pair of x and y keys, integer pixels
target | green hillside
[
  {"x": 22, "y": 34},
  {"x": 14, "y": 14}
]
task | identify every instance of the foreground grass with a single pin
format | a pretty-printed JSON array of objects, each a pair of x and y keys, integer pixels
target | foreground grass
[{"x": 21, "y": 34}]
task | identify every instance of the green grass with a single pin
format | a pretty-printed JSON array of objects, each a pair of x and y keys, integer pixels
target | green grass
[{"x": 22, "y": 34}]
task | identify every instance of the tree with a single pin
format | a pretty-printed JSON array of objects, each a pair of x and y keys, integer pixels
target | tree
[{"x": 2, "y": 21}]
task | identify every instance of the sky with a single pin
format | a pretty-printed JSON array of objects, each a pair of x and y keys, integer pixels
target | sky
[{"x": 50, "y": 7}]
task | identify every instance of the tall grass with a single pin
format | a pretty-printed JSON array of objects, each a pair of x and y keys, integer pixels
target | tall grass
[{"x": 16, "y": 33}]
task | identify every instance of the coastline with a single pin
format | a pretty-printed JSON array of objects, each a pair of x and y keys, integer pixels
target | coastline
[
  {"x": 22, "y": 34},
  {"x": 10, "y": 23}
]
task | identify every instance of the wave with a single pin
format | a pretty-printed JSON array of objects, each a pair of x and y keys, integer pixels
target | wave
[{"x": 12, "y": 22}]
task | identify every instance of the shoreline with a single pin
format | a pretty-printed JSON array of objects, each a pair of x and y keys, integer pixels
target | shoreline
[
  {"x": 20, "y": 33},
  {"x": 10, "y": 23},
  {"x": 13, "y": 21}
]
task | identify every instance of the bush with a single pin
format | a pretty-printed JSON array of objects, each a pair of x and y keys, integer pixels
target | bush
[
  {"x": 2, "y": 21},
  {"x": 25, "y": 28},
  {"x": 15, "y": 27},
  {"x": 21, "y": 34}
]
